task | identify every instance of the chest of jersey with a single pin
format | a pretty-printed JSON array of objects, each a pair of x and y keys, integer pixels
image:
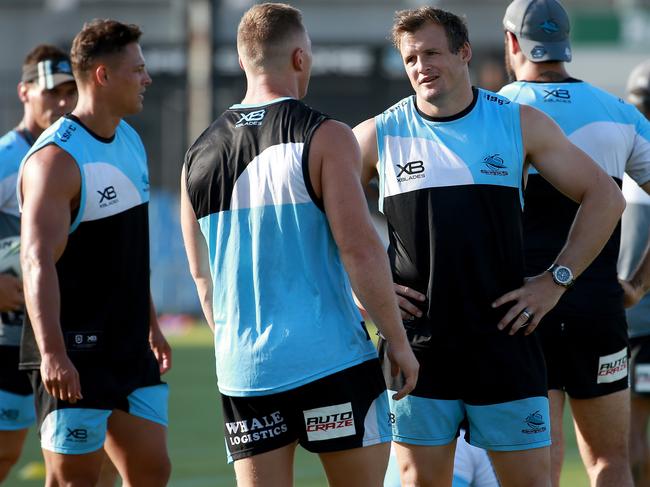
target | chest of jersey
[{"x": 480, "y": 148}]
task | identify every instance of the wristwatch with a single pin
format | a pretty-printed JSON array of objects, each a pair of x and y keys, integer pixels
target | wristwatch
[{"x": 561, "y": 275}]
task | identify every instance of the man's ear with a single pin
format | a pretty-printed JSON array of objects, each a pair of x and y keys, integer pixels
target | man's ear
[
  {"x": 298, "y": 59},
  {"x": 512, "y": 43},
  {"x": 465, "y": 52},
  {"x": 23, "y": 92},
  {"x": 100, "y": 74}
]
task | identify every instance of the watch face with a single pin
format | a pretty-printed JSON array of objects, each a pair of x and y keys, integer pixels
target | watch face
[{"x": 563, "y": 274}]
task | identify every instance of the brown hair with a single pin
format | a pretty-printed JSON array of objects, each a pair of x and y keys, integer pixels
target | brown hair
[
  {"x": 409, "y": 21},
  {"x": 98, "y": 38},
  {"x": 264, "y": 28},
  {"x": 43, "y": 52}
]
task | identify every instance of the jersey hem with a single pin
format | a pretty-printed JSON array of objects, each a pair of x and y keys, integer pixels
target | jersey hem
[{"x": 226, "y": 391}]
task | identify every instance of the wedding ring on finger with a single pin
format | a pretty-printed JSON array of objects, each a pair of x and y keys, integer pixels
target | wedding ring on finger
[{"x": 527, "y": 315}]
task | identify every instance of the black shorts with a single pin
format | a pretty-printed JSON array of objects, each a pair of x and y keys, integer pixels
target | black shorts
[
  {"x": 103, "y": 387},
  {"x": 481, "y": 370},
  {"x": 348, "y": 409},
  {"x": 585, "y": 356},
  {"x": 11, "y": 378},
  {"x": 640, "y": 365}
]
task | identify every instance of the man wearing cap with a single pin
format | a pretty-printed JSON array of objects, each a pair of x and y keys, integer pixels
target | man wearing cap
[
  {"x": 585, "y": 337},
  {"x": 452, "y": 163},
  {"x": 47, "y": 91},
  {"x": 634, "y": 269}
]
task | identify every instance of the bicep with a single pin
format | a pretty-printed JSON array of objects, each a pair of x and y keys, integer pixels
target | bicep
[
  {"x": 49, "y": 183},
  {"x": 343, "y": 197},
  {"x": 190, "y": 229},
  {"x": 366, "y": 136}
]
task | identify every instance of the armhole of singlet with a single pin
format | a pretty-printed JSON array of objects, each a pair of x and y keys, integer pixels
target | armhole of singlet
[
  {"x": 305, "y": 164},
  {"x": 78, "y": 216},
  {"x": 19, "y": 195},
  {"x": 519, "y": 144},
  {"x": 75, "y": 215},
  {"x": 380, "y": 163}
]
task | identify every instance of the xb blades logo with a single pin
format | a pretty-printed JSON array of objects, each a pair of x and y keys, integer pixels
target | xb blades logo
[
  {"x": 108, "y": 194},
  {"x": 410, "y": 168},
  {"x": 494, "y": 161},
  {"x": 557, "y": 95},
  {"x": 252, "y": 118},
  {"x": 80, "y": 434},
  {"x": 550, "y": 26}
]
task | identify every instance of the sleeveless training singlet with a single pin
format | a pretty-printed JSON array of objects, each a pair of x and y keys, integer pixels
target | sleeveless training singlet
[
  {"x": 615, "y": 135},
  {"x": 104, "y": 270},
  {"x": 283, "y": 309},
  {"x": 13, "y": 148},
  {"x": 451, "y": 190}
]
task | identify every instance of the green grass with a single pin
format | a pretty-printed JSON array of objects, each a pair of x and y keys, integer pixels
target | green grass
[{"x": 196, "y": 444}]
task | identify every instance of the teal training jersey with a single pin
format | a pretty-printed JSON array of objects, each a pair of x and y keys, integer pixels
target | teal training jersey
[
  {"x": 615, "y": 135},
  {"x": 451, "y": 190},
  {"x": 103, "y": 273},
  {"x": 13, "y": 147},
  {"x": 283, "y": 309}
]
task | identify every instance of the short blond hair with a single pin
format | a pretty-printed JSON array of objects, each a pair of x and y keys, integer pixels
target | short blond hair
[{"x": 264, "y": 30}]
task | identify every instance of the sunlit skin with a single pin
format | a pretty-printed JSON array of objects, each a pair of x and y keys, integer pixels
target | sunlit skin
[
  {"x": 112, "y": 89},
  {"x": 128, "y": 78},
  {"x": 439, "y": 77},
  {"x": 307, "y": 60},
  {"x": 43, "y": 107}
]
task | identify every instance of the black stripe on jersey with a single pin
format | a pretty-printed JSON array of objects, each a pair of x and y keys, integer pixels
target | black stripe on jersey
[
  {"x": 305, "y": 168},
  {"x": 223, "y": 151},
  {"x": 462, "y": 247},
  {"x": 103, "y": 140},
  {"x": 449, "y": 118}
]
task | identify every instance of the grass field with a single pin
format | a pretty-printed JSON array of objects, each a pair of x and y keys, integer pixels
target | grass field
[{"x": 195, "y": 440}]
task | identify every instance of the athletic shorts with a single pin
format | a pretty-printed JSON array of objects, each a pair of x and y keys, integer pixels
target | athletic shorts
[
  {"x": 640, "y": 365},
  {"x": 586, "y": 357},
  {"x": 133, "y": 386},
  {"x": 348, "y": 409},
  {"x": 493, "y": 385},
  {"x": 16, "y": 397}
]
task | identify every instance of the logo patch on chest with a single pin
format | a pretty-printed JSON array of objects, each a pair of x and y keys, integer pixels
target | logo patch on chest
[
  {"x": 494, "y": 165},
  {"x": 410, "y": 170}
]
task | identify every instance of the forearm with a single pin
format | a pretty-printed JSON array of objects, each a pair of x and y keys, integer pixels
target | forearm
[
  {"x": 594, "y": 223},
  {"x": 204, "y": 290},
  {"x": 371, "y": 280},
  {"x": 42, "y": 300}
]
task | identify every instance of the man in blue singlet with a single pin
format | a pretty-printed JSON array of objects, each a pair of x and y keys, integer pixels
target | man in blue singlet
[
  {"x": 634, "y": 268},
  {"x": 273, "y": 186},
  {"x": 91, "y": 341},
  {"x": 452, "y": 163},
  {"x": 47, "y": 90},
  {"x": 585, "y": 337}
]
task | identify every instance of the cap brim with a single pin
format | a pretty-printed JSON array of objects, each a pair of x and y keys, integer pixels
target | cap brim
[
  {"x": 538, "y": 52},
  {"x": 54, "y": 80}
]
